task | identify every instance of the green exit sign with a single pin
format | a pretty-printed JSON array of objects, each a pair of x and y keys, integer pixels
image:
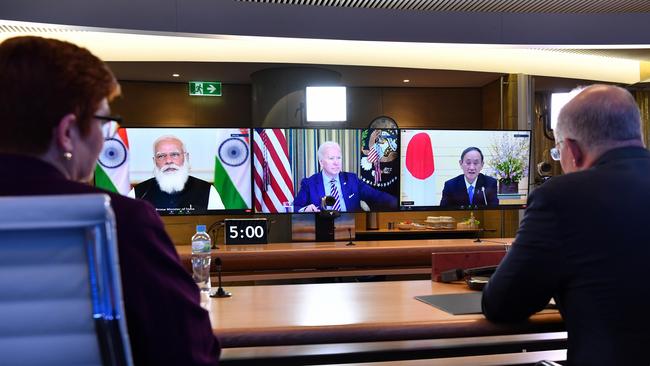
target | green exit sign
[{"x": 205, "y": 88}]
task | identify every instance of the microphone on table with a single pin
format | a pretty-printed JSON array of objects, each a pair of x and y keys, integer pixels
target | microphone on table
[
  {"x": 484, "y": 199},
  {"x": 327, "y": 202},
  {"x": 483, "y": 230},
  {"x": 326, "y": 207},
  {"x": 350, "y": 243},
  {"x": 220, "y": 291}
]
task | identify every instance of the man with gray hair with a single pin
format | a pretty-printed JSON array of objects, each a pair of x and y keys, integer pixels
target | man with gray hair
[
  {"x": 582, "y": 240},
  {"x": 173, "y": 189},
  {"x": 346, "y": 189}
]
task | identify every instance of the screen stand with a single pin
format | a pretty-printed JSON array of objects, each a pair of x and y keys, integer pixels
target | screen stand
[{"x": 325, "y": 224}]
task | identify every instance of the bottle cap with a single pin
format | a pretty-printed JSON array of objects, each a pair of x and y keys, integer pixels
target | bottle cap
[{"x": 200, "y": 228}]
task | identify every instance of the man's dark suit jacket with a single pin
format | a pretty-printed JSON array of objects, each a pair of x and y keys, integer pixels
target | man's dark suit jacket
[
  {"x": 353, "y": 191},
  {"x": 166, "y": 324},
  {"x": 584, "y": 241},
  {"x": 195, "y": 195},
  {"x": 455, "y": 192}
]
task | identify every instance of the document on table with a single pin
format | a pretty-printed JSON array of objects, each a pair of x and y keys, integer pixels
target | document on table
[{"x": 455, "y": 304}]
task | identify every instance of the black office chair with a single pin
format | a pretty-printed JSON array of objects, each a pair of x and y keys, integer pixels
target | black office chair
[{"x": 60, "y": 289}]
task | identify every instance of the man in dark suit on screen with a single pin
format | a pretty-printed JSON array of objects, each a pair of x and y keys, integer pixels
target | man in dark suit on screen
[
  {"x": 346, "y": 188},
  {"x": 472, "y": 188},
  {"x": 583, "y": 240},
  {"x": 173, "y": 189}
]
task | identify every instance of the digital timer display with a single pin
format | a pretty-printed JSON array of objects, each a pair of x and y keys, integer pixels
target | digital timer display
[{"x": 245, "y": 231}]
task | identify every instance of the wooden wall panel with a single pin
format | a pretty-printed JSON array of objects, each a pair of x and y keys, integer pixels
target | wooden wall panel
[
  {"x": 510, "y": 115},
  {"x": 168, "y": 104},
  {"x": 434, "y": 107},
  {"x": 364, "y": 106},
  {"x": 413, "y": 216},
  {"x": 509, "y": 219},
  {"x": 456, "y": 108},
  {"x": 491, "y": 106},
  {"x": 232, "y": 109}
]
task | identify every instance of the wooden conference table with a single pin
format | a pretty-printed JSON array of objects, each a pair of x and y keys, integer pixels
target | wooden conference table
[
  {"x": 331, "y": 259},
  {"x": 257, "y": 319}
]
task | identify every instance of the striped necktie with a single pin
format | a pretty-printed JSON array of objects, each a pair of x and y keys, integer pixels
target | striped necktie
[{"x": 335, "y": 193}]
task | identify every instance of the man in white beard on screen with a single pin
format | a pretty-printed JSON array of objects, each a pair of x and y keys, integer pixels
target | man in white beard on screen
[
  {"x": 171, "y": 178},
  {"x": 172, "y": 189}
]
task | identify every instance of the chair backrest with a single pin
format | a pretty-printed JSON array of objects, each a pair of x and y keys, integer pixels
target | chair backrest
[{"x": 60, "y": 289}]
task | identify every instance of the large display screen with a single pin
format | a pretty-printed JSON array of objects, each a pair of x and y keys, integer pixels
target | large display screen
[
  {"x": 296, "y": 169},
  {"x": 188, "y": 171},
  {"x": 181, "y": 171},
  {"x": 462, "y": 169}
]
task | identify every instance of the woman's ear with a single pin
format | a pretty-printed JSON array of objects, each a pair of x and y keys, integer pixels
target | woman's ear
[{"x": 64, "y": 131}]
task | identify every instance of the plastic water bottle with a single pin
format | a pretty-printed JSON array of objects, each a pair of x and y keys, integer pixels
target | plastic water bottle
[{"x": 201, "y": 245}]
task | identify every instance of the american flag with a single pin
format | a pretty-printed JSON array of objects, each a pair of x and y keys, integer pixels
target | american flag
[
  {"x": 373, "y": 157},
  {"x": 272, "y": 175}
]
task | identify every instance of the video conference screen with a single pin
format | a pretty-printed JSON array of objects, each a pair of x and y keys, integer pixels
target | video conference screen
[
  {"x": 295, "y": 170},
  {"x": 181, "y": 171},
  {"x": 461, "y": 169},
  {"x": 198, "y": 171}
]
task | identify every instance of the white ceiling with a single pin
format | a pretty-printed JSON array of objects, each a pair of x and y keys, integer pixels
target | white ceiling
[
  {"x": 121, "y": 45},
  {"x": 178, "y": 37}
]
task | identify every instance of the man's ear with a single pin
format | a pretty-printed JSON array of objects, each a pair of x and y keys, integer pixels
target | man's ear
[
  {"x": 64, "y": 131},
  {"x": 577, "y": 152}
]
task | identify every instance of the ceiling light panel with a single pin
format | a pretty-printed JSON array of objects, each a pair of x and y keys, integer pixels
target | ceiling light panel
[{"x": 120, "y": 45}]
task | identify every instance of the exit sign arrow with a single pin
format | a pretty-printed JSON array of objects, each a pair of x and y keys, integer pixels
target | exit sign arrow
[{"x": 205, "y": 88}]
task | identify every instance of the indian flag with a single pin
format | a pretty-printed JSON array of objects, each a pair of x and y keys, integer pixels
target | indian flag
[
  {"x": 232, "y": 169},
  {"x": 112, "y": 170}
]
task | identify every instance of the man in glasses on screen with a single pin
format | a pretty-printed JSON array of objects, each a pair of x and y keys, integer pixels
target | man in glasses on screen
[
  {"x": 173, "y": 189},
  {"x": 346, "y": 188}
]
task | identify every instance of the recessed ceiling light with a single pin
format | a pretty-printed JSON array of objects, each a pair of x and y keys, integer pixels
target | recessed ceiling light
[
  {"x": 407, "y": 80},
  {"x": 176, "y": 75}
]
